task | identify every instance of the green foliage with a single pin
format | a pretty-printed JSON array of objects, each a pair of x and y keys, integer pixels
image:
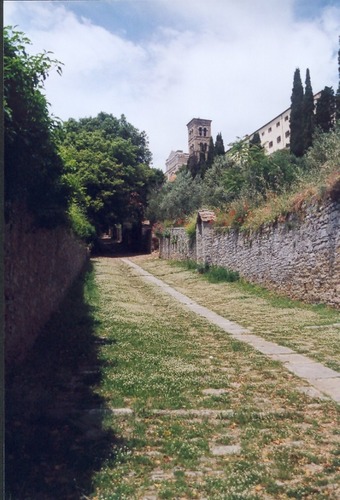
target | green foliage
[
  {"x": 255, "y": 140},
  {"x": 308, "y": 114},
  {"x": 325, "y": 110},
  {"x": 79, "y": 223},
  {"x": 214, "y": 274},
  {"x": 217, "y": 274},
  {"x": 190, "y": 228},
  {"x": 325, "y": 152},
  {"x": 337, "y": 96},
  {"x": 211, "y": 153},
  {"x": 107, "y": 163},
  {"x": 34, "y": 170},
  {"x": 198, "y": 166},
  {"x": 176, "y": 199},
  {"x": 296, "y": 116},
  {"x": 219, "y": 145}
]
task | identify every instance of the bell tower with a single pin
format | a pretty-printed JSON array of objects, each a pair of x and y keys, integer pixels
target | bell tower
[{"x": 199, "y": 133}]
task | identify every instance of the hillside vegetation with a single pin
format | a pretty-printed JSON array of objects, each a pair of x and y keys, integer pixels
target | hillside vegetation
[{"x": 248, "y": 188}]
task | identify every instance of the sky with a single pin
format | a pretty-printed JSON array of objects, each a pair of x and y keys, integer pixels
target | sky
[{"x": 163, "y": 62}]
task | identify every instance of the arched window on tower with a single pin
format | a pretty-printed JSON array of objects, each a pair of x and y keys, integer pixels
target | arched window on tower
[
  {"x": 200, "y": 131},
  {"x": 205, "y": 132}
]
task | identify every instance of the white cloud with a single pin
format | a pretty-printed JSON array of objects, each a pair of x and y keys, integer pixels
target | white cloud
[{"x": 232, "y": 62}]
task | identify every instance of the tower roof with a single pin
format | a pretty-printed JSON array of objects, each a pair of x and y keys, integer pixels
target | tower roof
[{"x": 201, "y": 121}]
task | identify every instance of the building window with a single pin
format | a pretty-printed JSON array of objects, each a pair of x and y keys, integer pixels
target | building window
[
  {"x": 270, "y": 129},
  {"x": 278, "y": 139},
  {"x": 200, "y": 131},
  {"x": 286, "y": 118},
  {"x": 262, "y": 133},
  {"x": 205, "y": 132},
  {"x": 271, "y": 144},
  {"x": 278, "y": 124},
  {"x": 287, "y": 134}
]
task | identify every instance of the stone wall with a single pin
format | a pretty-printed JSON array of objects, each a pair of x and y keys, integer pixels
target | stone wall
[
  {"x": 40, "y": 266},
  {"x": 178, "y": 246},
  {"x": 298, "y": 258}
]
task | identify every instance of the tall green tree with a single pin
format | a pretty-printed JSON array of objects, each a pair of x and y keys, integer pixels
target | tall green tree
[
  {"x": 107, "y": 160},
  {"x": 255, "y": 140},
  {"x": 211, "y": 153},
  {"x": 337, "y": 97},
  {"x": 308, "y": 113},
  {"x": 219, "y": 145},
  {"x": 325, "y": 110},
  {"x": 33, "y": 168},
  {"x": 296, "y": 116}
]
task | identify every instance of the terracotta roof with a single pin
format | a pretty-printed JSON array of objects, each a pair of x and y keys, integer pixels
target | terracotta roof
[{"x": 206, "y": 215}]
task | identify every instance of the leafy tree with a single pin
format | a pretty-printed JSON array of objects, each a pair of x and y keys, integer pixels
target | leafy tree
[
  {"x": 325, "y": 152},
  {"x": 219, "y": 145},
  {"x": 222, "y": 182},
  {"x": 296, "y": 116},
  {"x": 308, "y": 113},
  {"x": 107, "y": 161},
  {"x": 33, "y": 168},
  {"x": 325, "y": 110},
  {"x": 176, "y": 199}
]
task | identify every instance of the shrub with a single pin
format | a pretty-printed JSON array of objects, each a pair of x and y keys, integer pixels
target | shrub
[
  {"x": 216, "y": 274},
  {"x": 190, "y": 228},
  {"x": 79, "y": 223}
]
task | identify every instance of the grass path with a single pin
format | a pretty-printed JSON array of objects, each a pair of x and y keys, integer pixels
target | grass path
[
  {"x": 272, "y": 442},
  {"x": 310, "y": 330},
  {"x": 128, "y": 395}
]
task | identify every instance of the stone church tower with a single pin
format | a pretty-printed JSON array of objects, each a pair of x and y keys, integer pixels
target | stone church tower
[{"x": 199, "y": 133}]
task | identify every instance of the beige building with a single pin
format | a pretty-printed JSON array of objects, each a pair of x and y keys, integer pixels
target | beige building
[
  {"x": 174, "y": 162},
  {"x": 275, "y": 134}
]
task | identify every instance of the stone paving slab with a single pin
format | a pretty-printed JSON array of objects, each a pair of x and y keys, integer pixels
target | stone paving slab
[
  {"x": 292, "y": 359},
  {"x": 329, "y": 386},
  {"x": 318, "y": 327},
  {"x": 312, "y": 370},
  {"x": 319, "y": 376},
  {"x": 312, "y": 392},
  {"x": 195, "y": 413},
  {"x": 264, "y": 346},
  {"x": 226, "y": 450},
  {"x": 214, "y": 392}
]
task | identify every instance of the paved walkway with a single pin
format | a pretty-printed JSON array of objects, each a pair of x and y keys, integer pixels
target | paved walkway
[{"x": 322, "y": 380}]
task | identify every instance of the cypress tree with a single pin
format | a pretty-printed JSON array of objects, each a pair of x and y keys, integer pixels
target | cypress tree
[
  {"x": 337, "y": 97},
  {"x": 255, "y": 140},
  {"x": 211, "y": 153},
  {"x": 296, "y": 116},
  {"x": 308, "y": 113},
  {"x": 325, "y": 110},
  {"x": 219, "y": 145}
]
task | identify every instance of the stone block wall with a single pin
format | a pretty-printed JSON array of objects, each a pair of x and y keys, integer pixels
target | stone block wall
[
  {"x": 40, "y": 266},
  {"x": 298, "y": 258},
  {"x": 178, "y": 246}
]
